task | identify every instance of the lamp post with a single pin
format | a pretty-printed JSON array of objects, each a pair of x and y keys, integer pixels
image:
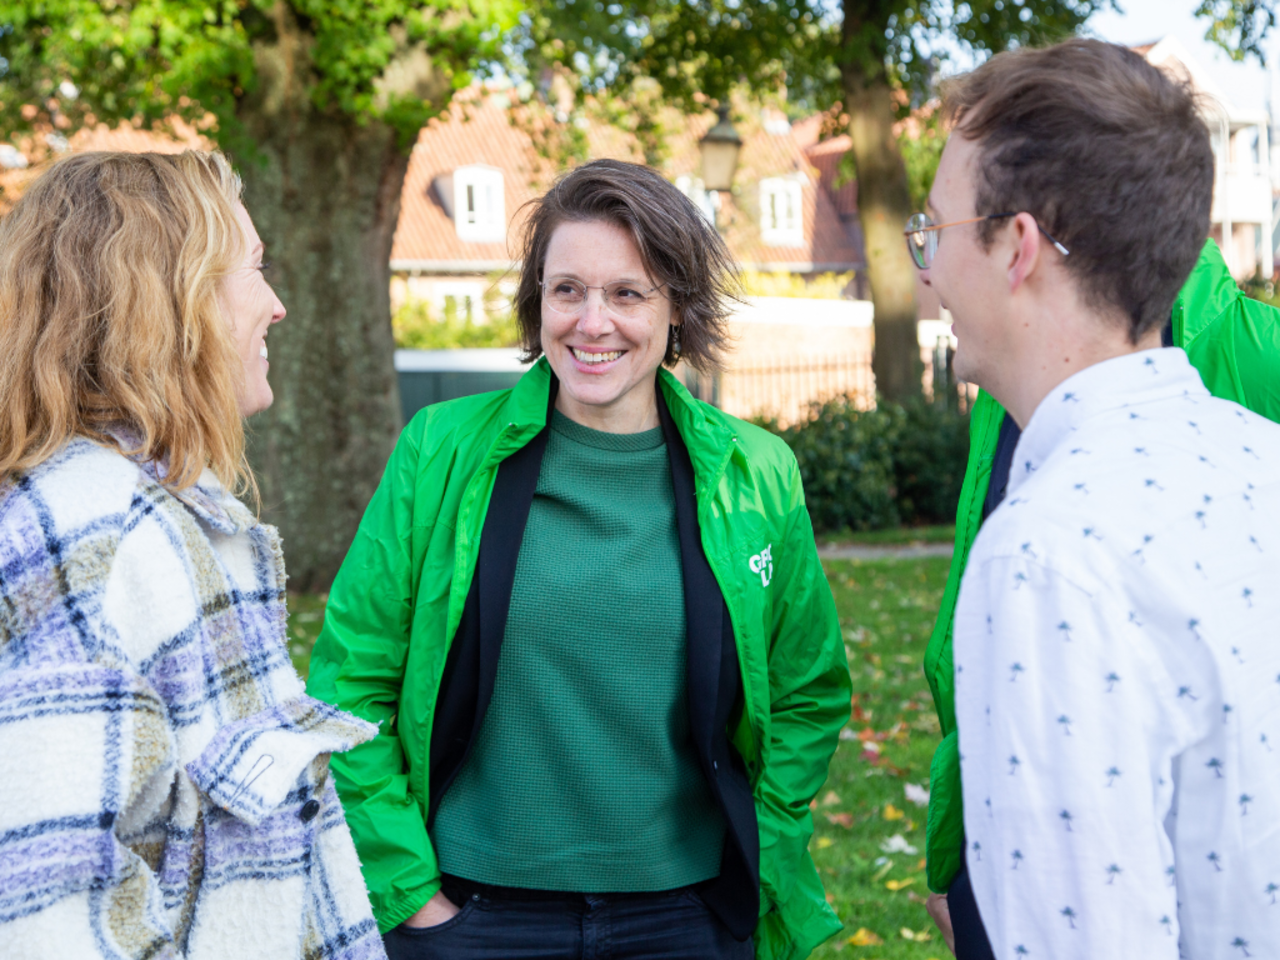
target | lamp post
[{"x": 719, "y": 148}]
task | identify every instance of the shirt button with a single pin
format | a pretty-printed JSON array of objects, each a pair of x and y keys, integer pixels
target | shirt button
[{"x": 309, "y": 811}]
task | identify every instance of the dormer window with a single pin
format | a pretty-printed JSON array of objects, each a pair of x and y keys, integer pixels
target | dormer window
[
  {"x": 781, "y": 212},
  {"x": 474, "y": 199}
]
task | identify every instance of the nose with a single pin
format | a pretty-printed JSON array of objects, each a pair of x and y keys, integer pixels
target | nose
[
  {"x": 594, "y": 321},
  {"x": 277, "y": 309}
]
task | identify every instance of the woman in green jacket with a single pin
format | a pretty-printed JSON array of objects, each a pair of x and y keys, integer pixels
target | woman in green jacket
[{"x": 589, "y": 617}]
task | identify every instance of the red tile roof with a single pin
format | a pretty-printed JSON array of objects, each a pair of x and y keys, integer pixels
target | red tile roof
[{"x": 483, "y": 128}]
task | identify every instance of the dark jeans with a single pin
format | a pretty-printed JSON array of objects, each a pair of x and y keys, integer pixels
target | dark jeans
[
  {"x": 671, "y": 925},
  {"x": 966, "y": 923}
]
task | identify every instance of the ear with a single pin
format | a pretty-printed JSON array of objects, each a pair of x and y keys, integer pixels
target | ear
[{"x": 1025, "y": 253}]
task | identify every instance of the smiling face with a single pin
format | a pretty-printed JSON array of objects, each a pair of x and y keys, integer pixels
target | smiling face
[
  {"x": 606, "y": 361},
  {"x": 251, "y": 307}
]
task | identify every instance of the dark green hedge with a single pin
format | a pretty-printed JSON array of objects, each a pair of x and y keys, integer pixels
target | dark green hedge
[{"x": 870, "y": 469}]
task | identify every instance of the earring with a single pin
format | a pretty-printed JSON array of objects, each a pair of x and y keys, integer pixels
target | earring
[{"x": 675, "y": 340}]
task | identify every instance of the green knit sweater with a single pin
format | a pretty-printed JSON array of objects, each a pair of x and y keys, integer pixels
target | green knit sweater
[{"x": 584, "y": 775}]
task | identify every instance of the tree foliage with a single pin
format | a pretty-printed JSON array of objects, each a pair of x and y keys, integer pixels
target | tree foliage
[
  {"x": 1239, "y": 26},
  {"x": 71, "y": 62},
  {"x": 700, "y": 50}
]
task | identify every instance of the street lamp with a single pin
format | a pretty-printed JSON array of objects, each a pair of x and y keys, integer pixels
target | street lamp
[{"x": 720, "y": 149}]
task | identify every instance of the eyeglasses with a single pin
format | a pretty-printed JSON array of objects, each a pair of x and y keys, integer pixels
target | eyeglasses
[
  {"x": 922, "y": 236},
  {"x": 568, "y": 296}
]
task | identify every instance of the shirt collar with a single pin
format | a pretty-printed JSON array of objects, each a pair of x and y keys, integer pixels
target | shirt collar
[{"x": 1127, "y": 381}]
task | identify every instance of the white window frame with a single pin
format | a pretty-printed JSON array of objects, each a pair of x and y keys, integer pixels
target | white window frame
[
  {"x": 782, "y": 211},
  {"x": 475, "y": 199},
  {"x": 468, "y": 298}
]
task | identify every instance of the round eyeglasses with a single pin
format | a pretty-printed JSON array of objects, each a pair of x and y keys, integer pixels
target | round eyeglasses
[
  {"x": 622, "y": 297},
  {"x": 922, "y": 236}
]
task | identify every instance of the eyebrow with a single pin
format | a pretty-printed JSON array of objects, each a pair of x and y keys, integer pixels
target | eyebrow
[{"x": 551, "y": 274}]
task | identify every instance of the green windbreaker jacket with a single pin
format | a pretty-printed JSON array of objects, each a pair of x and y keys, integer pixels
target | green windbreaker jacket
[
  {"x": 1235, "y": 344},
  {"x": 398, "y": 599}
]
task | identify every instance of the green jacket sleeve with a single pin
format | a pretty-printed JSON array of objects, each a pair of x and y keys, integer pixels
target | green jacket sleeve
[
  {"x": 944, "y": 831},
  {"x": 358, "y": 665},
  {"x": 809, "y": 690},
  {"x": 1233, "y": 340}
]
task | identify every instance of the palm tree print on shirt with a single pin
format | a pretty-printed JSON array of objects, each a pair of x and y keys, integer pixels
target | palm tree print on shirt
[
  {"x": 1014, "y": 763},
  {"x": 1113, "y": 871},
  {"x": 1245, "y": 800},
  {"x": 1242, "y": 944},
  {"x": 1112, "y": 679},
  {"x": 1273, "y": 889},
  {"x": 1215, "y": 765},
  {"x": 1215, "y": 860},
  {"x": 1066, "y": 818},
  {"x": 1167, "y": 924},
  {"x": 1112, "y": 773},
  {"x": 1014, "y": 670},
  {"x": 1065, "y": 722},
  {"x": 1070, "y": 915},
  {"x": 1017, "y": 859}
]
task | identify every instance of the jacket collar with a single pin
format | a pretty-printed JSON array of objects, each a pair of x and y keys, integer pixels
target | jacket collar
[
  {"x": 207, "y": 498},
  {"x": 1133, "y": 380}
]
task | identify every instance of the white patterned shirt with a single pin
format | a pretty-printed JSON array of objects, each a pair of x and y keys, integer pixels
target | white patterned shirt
[{"x": 1117, "y": 649}]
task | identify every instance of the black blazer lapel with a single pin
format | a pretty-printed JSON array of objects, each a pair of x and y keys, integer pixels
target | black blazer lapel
[
  {"x": 472, "y": 665},
  {"x": 714, "y": 684}
]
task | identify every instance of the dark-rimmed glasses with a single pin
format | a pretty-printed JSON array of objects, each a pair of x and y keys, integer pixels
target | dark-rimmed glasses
[
  {"x": 622, "y": 297},
  {"x": 922, "y": 236}
]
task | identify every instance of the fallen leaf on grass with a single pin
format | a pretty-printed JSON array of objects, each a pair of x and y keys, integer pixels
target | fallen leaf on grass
[
  {"x": 879, "y": 874},
  {"x": 823, "y": 842},
  {"x": 864, "y": 938},
  {"x": 831, "y": 799},
  {"x": 892, "y": 813},
  {"x": 921, "y": 864},
  {"x": 916, "y": 794},
  {"x": 843, "y": 819},
  {"x": 918, "y": 936},
  {"x": 847, "y": 734},
  {"x": 898, "y": 844},
  {"x": 896, "y": 885}
]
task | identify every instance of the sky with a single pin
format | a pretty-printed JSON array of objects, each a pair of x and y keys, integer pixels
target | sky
[{"x": 1145, "y": 21}]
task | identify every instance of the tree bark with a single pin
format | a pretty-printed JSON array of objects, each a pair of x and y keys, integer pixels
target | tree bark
[
  {"x": 884, "y": 204},
  {"x": 324, "y": 193}
]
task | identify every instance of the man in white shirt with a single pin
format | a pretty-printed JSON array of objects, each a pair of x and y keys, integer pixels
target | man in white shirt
[{"x": 1117, "y": 658}]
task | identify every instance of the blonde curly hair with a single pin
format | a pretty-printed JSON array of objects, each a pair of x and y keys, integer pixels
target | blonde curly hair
[{"x": 111, "y": 267}]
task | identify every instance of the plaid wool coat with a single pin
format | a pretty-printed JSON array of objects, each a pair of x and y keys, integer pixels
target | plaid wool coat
[{"x": 164, "y": 787}]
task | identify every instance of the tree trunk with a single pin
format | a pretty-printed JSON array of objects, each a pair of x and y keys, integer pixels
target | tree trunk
[
  {"x": 324, "y": 193},
  {"x": 884, "y": 204}
]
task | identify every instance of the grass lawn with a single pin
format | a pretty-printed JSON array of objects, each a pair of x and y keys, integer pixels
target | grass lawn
[
  {"x": 896, "y": 536},
  {"x": 886, "y": 611}
]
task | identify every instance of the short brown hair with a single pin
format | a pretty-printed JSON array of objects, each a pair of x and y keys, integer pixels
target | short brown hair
[
  {"x": 111, "y": 268},
  {"x": 679, "y": 249},
  {"x": 1108, "y": 153}
]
